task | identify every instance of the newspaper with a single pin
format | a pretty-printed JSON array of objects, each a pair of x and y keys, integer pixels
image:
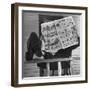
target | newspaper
[{"x": 59, "y": 34}]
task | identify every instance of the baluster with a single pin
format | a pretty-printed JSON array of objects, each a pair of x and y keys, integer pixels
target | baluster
[
  {"x": 48, "y": 68},
  {"x": 59, "y": 68}
]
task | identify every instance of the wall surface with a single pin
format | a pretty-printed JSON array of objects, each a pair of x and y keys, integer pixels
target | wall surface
[{"x": 5, "y": 45}]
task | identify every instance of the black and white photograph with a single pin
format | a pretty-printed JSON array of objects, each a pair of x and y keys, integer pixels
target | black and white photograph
[
  {"x": 51, "y": 44},
  {"x": 54, "y": 39}
]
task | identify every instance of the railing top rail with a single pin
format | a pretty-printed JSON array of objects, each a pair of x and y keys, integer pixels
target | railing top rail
[{"x": 51, "y": 60}]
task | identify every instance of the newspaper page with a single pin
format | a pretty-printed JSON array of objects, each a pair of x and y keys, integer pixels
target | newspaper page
[
  {"x": 52, "y": 42},
  {"x": 67, "y": 32}
]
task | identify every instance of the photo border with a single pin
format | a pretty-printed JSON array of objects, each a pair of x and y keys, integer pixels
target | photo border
[{"x": 14, "y": 43}]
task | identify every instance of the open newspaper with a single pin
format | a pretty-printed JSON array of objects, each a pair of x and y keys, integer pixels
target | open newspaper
[{"x": 59, "y": 34}]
